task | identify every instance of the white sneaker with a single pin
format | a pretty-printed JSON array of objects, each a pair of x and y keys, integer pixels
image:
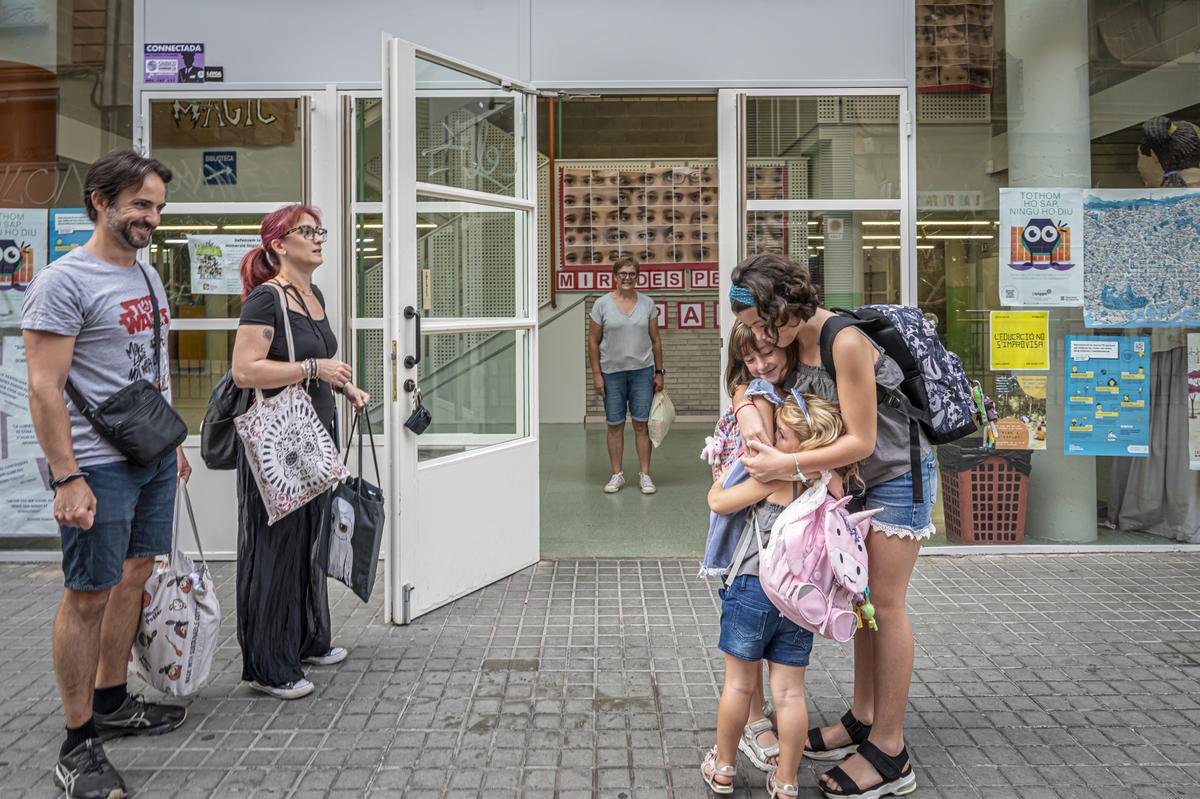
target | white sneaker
[
  {"x": 648, "y": 486},
  {"x": 289, "y": 690},
  {"x": 615, "y": 483},
  {"x": 335, "y": 655}
]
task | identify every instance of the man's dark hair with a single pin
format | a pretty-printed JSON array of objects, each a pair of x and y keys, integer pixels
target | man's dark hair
[{"x": 117, "y": 171}]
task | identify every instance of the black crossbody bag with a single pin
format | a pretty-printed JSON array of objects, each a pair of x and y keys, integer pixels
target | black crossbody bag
[{"x": 137, "y": 420}]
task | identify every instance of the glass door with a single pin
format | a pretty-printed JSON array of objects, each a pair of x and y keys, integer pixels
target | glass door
[
  {"x": 821, "y": 176},
  {"x": 459, "y": 282}
]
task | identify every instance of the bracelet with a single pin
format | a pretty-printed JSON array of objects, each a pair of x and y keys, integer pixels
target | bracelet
[
  {"x": 66, "y": 478},
  {"x": 799, "y": 474},
  {"x": 738, "y": 409}
]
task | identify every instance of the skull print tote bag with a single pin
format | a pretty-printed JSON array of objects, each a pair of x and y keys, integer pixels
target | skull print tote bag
[{"x": 290, "y": 453}]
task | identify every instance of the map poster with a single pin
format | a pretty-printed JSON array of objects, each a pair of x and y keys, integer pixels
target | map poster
[
  {"x": 1108, "y": 396},
  {"x": 69, "y": 228},
  {"x": 1193, "y": 387},
  {"x": 1041, "y": 247},
  {"x": 1021, "y": 403},
  {"x": 215, "y": 260},
  {"x": 22, "y": 254},
  {"x": 1143, "y": 257},
  {"x": 1020, "y": 340}
]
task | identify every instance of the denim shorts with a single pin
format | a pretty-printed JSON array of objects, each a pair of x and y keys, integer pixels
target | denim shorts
[
  {"x": 901, "y": 517},
  {"x": 752, "y": 629},
  {"x": 135, "y": 510},
  {"x": 633, "y": 389}
]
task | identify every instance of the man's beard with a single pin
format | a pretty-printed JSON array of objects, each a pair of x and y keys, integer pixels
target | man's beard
[{"x": 125, "y": 232}]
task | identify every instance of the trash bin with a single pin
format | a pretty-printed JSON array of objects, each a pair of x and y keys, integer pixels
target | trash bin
[{"x": 984, "y": 492}]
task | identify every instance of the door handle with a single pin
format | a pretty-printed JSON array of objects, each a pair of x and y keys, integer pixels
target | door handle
[{"x": 412, "y": 360}]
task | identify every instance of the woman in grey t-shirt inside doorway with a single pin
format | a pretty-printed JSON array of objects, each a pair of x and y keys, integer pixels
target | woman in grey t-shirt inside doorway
[{"x": 627, "y": 367}]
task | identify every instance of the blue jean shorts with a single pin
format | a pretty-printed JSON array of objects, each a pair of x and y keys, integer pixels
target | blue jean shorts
[
  {"x": 752, "y": 629},
  {"x": 901, "y": 517},
  {"x": 135, "y": 510},
  {"x": 632, "y": 390}
]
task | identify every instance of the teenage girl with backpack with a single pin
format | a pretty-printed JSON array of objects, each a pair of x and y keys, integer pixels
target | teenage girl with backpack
[
  {"x": 776, "y": 298},
  {"x": 752, "y": 629}
]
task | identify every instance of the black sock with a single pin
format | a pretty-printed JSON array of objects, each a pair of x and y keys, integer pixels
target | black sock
[
  {"x": 106, "y": 700},
  {"x": 76, "y": 736}
]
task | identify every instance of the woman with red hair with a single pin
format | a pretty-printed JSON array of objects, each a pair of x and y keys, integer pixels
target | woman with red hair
[{"x": 283, "y": 603}]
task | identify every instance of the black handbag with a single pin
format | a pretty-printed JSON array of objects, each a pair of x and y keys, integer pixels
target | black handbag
[
  {"x": 350, "y": 544},
  {"x": 137, "y": 420},
  {"x": 218, "y": 434}
]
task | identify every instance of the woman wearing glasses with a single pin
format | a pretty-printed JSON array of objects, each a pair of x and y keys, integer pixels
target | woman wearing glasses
[
  {"x": 626, "y": 356},
  {"x": 283, "y": 605}
]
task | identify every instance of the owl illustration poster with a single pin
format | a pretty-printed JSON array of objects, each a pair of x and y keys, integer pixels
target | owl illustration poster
[
  {"x": 22, "y": 254},
  {"x": 1041, "y": 247}
]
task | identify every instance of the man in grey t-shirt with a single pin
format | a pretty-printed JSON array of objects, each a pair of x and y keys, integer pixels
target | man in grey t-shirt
[{"x": 89, "y": 317}]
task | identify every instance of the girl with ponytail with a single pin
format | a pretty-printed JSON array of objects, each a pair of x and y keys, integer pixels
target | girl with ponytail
[{"x": 283, "y": 603}]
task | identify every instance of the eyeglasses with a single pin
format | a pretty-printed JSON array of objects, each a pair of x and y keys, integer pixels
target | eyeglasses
[
  {"x": 627, "y": 275},
  {"x": 679, "y": 177},
  {"x": 307, "y": 231}
]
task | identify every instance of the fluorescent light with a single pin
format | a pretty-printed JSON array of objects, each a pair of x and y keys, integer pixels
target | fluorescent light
[
  {"x": 424, "y": 226},
  {"x": 372, "y": 226},
  {"x": 925, "y": 247},
  {"x": 883, "y": 237},
  {"x": 187, "y": 227},
  {"x": 238, "y": 227},
  {"x": 957, "y": 222},
  {"x": 366, "y": 241},
  {"x": 881, "y": 222},
  {"x": 368, "y": 249},
  {"x": 372, "y": 257},
  {"x": 816, "y": 238},
  {"x": 985, "y": 237},
  {"x": 887, "y": 246},
  {"x": 174, "y": 241}
]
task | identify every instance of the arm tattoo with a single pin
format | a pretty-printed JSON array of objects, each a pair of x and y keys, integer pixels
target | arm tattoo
[{"x": 268, "y": 333}]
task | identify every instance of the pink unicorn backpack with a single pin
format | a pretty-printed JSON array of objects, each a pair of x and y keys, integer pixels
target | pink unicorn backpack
[{"x": 814, "y": 568}]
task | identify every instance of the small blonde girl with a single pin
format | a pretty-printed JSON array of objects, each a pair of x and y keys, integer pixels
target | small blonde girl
[{"x": 752, "y": 629}]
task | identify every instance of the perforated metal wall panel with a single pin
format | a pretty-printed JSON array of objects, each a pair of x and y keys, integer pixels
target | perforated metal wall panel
[{"x": 952, "y": 108}]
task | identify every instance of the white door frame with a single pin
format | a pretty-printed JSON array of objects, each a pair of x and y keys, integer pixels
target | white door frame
[{"x": 733, "y": 207}]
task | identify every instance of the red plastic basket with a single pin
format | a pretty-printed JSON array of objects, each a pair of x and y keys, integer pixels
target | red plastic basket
[{"x": 985, "y": 504}]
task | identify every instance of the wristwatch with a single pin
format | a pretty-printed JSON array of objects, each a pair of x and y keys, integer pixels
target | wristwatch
[{"x": 662, "y": 372}]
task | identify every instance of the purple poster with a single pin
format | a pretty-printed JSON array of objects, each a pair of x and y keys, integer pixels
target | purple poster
[{"x": 174, "y": 63}]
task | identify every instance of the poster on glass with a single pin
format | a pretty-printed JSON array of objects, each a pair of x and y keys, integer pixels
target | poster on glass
[
  {"x": 1108, "y": 396},
  {"x": 22, "y": 254},
  {"x": 1041, "y": 249},
  {"x": 215, "y": 260}
]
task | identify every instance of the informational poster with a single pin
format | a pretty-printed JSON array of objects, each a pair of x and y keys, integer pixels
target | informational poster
[
  {"x": 174, "y": 62},
  {"x": 22, "y": 254},
  {"x": 215, "y": 260},
  {"x": 26, "y": 502},
  {"x": 1021, "y": 403},
  {"x": 1041, "y": 247},
  {"x": 1143, "y": 257},
  {"x": 69, "y": 228},
  {"x": 1020, "y": 340},
  {"x": 1193, "y": 387},
  {"x": 1108, "y": 396}
]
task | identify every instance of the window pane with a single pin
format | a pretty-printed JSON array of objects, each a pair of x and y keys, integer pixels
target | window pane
[
  {"x": 854, "y": 257},
  {"x": 468, "y": 142},
  {"x": 368, "y": 266},
  {"x": 369, "y": 372},
  {"x": 834, "y": 147},
  {"x": 199, "y": 359},
  {"x": 212, "y": 290},
  {"x": 235, "y": 150},
  {"x": 368, "y": 142},
  {"x": 467, "y": 255},
  {"x": 474, "y": 385}
]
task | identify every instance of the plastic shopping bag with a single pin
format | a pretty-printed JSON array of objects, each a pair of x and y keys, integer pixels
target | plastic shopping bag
[
  {"x": 662, "y": 414},
  {"x": 181, "y": 619}
]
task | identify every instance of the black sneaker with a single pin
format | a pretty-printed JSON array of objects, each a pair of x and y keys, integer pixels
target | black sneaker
[
  {"x": 136, "y": 716},
  {"x": 85, "y": 773}
]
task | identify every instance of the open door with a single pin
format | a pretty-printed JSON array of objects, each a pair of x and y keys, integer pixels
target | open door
[{"x": 460, "y": 289}]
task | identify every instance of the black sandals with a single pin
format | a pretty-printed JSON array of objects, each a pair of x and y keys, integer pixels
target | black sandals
[
  {"x": 858, "y": 733},
  {"x": 896, "y": 782}
]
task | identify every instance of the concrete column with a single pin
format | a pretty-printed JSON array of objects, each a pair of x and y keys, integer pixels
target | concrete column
[{"x": 1049, "y": 145}]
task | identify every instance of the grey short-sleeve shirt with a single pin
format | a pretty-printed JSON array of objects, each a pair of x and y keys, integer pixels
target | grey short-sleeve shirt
[
  {"x": 106, "y": 307},
  {"x": 626, "y": 343}
]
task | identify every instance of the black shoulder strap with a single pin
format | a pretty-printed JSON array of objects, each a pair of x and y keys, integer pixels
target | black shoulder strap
[{"x": 834, "y": 325}]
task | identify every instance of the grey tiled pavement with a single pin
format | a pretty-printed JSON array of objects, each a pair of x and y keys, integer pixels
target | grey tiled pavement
[{"x": 1036, "y": 676}]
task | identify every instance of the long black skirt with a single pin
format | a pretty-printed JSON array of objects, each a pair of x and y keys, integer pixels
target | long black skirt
[{"x": 282, "y": 597}]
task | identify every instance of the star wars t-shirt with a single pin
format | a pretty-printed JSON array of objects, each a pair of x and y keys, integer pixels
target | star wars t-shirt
[{"x": 107, "y": 309}]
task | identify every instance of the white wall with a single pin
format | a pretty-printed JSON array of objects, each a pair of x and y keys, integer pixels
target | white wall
[
  {"x": 704, "y": 43},
  {"x": 561, "y": 364}
]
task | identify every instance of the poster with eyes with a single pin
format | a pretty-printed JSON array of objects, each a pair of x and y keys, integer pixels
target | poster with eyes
[
  {"x": 955, "y": 46},
  {"x": 662, "y": 215}
]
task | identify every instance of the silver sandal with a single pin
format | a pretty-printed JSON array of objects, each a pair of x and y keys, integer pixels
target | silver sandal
[
  {"x": 775, "y": 790},
  {"x": 710, "y": 775},
  {"x": 755, "y": 752}
]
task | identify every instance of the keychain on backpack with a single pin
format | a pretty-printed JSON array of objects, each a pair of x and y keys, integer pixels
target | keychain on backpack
[
  {"x": 420, "y": 417},
  {"x": 866, "y": 611},
  {"x": 985, "y": 413}
]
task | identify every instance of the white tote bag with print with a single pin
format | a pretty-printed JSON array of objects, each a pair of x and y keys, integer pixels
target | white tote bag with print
[
  {"x": 290, "y": 453},
  {"x": 181, "y": 618}
]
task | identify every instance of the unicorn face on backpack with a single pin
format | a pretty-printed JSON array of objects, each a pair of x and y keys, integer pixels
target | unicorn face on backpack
[{"x": 845, "y": 541}]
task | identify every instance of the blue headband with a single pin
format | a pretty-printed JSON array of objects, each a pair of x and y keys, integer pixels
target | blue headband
[
  {"x": 741, "y": 295},
  {"x": 799, "y": 398}
]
